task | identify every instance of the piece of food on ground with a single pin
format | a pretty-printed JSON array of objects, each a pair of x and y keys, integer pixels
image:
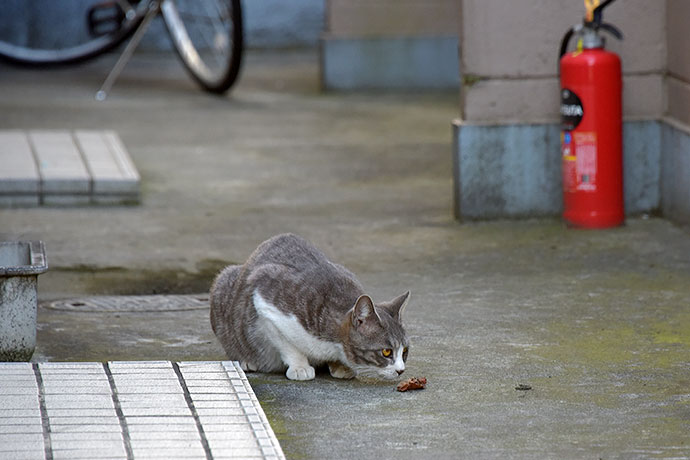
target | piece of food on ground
[{"x": 413, "y": 383}]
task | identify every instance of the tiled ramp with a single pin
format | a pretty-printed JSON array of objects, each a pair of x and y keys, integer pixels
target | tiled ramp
[
  {"x": 131, "y": 410},
  {"x": 65, "y": 168}
]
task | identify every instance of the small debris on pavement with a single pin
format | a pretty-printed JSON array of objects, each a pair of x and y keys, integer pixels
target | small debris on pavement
[{"x": 414, "y": 383}]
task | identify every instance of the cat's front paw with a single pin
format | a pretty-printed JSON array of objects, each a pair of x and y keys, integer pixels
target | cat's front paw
[
  {"x": 339, "y": 371},
  {"x": 300, "y": 373}
]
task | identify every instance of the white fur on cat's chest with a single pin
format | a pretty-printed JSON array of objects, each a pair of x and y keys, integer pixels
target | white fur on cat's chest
[{"x": 292, "y": 334}]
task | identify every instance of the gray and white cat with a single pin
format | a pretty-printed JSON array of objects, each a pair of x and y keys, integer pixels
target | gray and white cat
[{"x": 288, "y": 308}]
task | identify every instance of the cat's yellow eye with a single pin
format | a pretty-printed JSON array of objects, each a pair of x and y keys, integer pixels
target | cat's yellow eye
[{"x": 386, "y": 352}]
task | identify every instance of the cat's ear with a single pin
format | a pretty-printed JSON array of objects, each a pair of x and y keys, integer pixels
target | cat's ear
[
  {"x": 364, "y": 311},
  {"x": 397, "y": 305}
]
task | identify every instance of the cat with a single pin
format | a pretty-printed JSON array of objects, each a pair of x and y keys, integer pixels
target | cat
[{"x": 289, "y": 309}]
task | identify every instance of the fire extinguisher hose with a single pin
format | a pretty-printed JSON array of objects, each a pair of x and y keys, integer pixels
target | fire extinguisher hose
[{"x": 565, "y": 40}]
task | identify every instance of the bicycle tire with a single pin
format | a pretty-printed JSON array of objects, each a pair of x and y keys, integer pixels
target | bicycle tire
[
  {"x": 26, "y": 56},
  {"x": 226, "y": 49}
]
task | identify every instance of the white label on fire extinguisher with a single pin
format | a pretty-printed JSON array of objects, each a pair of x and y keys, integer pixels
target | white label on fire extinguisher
[
  {"x": 586, "y": 160},
  {"x": 579, "y": 151}
]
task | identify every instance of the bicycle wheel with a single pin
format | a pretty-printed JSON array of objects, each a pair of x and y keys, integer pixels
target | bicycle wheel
[
  {"x": 79, "y": 48},
  {"x": 208, "y": 37}
]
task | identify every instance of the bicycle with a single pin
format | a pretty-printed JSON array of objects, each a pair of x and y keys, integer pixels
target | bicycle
[{"x": 206, "y": 34}]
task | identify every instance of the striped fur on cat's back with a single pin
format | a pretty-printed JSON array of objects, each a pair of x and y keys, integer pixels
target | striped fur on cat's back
[{"x": 289, "y": 308}]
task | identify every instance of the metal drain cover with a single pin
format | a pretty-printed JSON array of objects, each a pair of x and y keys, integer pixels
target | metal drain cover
[{"x": 130, "y": 303}]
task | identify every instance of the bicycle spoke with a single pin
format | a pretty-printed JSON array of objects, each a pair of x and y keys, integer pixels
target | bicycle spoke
[
  {"x": 199, "y": 17},
  {"x": 218, "y": 32},
  {"x": 207, "y": 28},
  {"x": 208, "y": 37}
]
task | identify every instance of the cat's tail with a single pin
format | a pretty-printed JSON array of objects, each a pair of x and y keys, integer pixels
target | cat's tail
[{"x": 222, "y": 295}]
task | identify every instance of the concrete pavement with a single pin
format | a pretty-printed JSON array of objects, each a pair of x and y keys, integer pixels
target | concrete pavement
[{"x": 596, "y": 323}]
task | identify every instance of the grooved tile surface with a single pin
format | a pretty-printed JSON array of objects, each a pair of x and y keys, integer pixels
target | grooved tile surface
[
  {"x": 17, "y": 166},
  {"x": 131, "y": 410},
  {"x": 60, "y": 164},
  {"x": 65, "y": 168}
]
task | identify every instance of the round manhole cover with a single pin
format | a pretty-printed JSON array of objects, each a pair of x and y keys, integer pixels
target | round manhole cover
[{"x": 131, "y": 303}]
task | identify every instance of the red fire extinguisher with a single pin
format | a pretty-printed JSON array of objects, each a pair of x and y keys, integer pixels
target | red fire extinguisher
[{"x": 591, "y": 136}]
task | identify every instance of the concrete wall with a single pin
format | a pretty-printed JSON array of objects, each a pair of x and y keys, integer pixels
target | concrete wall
[
  {"x": 506, "y": 148},
  {"x": 390, "y": 43},
  {"x": 392, "y": 18},
  {"x": 514, "y": 170},
  {"x": 675, "y": 165},
  {"x": 268, "y": 23},
  {"x": 678, "y": 79},
  {"x": 281, "y": 23},
  {"x": 509, "y": 57}
]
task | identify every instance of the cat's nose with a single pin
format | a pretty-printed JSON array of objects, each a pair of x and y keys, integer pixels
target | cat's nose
[{"x": 400, "y": 372}]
